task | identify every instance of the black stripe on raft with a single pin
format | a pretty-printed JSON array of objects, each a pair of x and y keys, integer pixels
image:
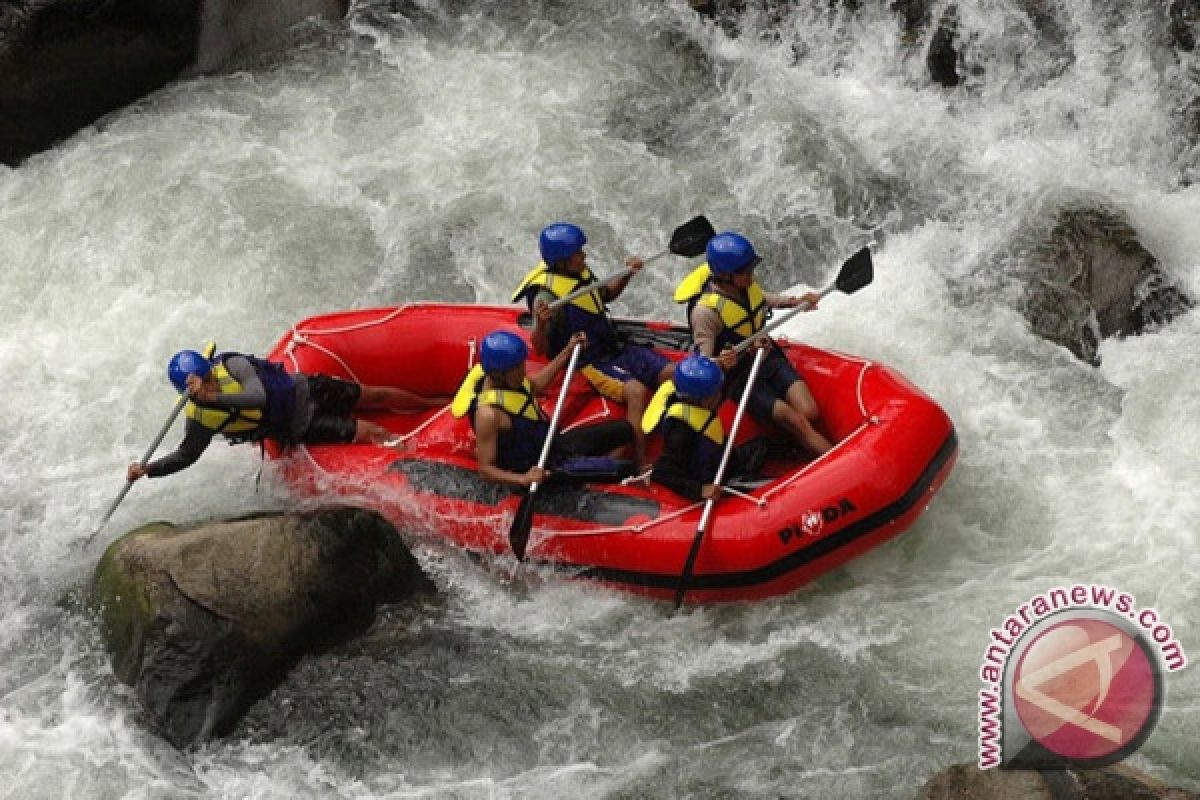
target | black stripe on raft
[
  {"x": 790, "y": 562},
  {"x": 575, "y": 502}
]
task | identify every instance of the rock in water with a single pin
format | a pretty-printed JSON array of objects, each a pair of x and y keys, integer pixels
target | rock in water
[
  {"x": 1091, "y": 278},
  {"x": 66, "y": 63},
  {"x": 204, "y": 621},
  {"x": 1117, "y": 782}
]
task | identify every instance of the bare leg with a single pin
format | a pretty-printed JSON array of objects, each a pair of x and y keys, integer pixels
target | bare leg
[
  {"x": 799, "y": 427},
  {"x": 390, "y": 397},
  {"x": 800, "y": 399},
  {"x": 636, "y": 398}
]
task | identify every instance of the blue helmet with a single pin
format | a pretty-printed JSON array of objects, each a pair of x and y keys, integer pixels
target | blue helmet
[
  {"x": 184, "y": 363},
  {"x": 729, "y": 252},
  {"x": 560, "y": 241},
  {"x": 501, "y": 351},
  {"x": 697, "y": 377}
]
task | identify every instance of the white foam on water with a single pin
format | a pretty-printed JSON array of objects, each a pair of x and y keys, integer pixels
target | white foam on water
[{"x": 417, "y": 159}]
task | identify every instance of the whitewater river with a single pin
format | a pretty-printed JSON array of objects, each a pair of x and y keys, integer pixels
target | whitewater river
[{"x": 403, "y": 158}]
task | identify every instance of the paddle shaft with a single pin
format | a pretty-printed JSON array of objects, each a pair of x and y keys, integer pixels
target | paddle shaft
[
  {"x": 558, "y": 407},
  {"x": 591, "y": 287},
  {"x": 162, "y": 434},
  {"x": 775, "y": 323},
  {"x": 209, "y": 350},
  {"x": 686, "y": 576}
]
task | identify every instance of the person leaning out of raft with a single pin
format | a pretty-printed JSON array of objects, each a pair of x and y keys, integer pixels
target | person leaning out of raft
[
  {"x": 726, "y": 306},
  {"x": 693, "y": 436},
  {"x": 248, "y": 399},
  {"x": 621, "y": 372},
  {"x": 510, "y": 427}
]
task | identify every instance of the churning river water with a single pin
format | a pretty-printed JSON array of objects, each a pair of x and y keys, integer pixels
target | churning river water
[{"x": 413, "y": 154}]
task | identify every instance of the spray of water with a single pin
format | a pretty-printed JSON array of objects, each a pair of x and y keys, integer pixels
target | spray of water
[{"x": 413, "y": 155}]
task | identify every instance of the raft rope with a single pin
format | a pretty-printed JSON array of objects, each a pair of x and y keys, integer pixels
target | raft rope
[
  {"x": 867, "y": 421},
  {"x": 301, "y": 338},
  {"x": 762, "y": 500},
  {"x": 604, "y": 413},
  {"x": 643, "y": 477},
  {"x": 858, "y": 391},
  {"x": 638, "y": 528}
]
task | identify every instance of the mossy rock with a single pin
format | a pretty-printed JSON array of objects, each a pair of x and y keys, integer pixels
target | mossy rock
[{"x": 205, "y": 620}]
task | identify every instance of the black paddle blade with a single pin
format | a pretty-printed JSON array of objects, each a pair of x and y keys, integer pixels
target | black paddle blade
[
  {"x": 690, "y": 238},
  {"x": 522, "y": 524},
  {"x": 689, "y": 564},
  {"x": 856, "y": 272}
]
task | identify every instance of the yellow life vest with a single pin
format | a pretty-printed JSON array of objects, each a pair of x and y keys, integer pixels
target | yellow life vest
[
  {"x": 657, "y": 406},
  {"x": 519, "y": 403},
  {"x": 739, "y": 319},
  {"x": 701, "y": 420},
  {"x": 238, "y": 421},
  {"x": 561, "y": 286},
  {"x": 693, "y": 285}
]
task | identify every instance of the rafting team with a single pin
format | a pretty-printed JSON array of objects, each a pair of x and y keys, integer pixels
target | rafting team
[{"x": 244, "y": 398}]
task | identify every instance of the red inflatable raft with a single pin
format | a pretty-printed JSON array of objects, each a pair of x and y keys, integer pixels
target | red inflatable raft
[{"x": 894, "y": 449}]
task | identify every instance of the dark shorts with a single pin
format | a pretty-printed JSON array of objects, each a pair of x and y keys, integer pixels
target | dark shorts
[
  {"x": 635, "y": 362},
  {"x": 597, "y": 439},
  {"x": 333, "y": 402},
  {"x": 775, "y": 377}
]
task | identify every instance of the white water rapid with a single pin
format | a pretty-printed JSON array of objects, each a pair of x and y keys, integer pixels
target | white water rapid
[{"x": 414, "y": 155}]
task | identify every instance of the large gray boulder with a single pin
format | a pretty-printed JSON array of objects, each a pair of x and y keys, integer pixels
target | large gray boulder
[
  {"x": 1089, "y": 277},
  {"x": 204, "y": 621},
  {"x": 66, "y": 63},
  {"x": 1118, "y": 782}
]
